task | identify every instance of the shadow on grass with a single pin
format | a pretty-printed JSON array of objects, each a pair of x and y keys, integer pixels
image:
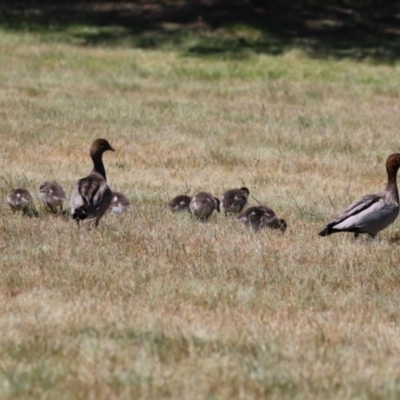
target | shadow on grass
[{"x": 234, "y": 28}]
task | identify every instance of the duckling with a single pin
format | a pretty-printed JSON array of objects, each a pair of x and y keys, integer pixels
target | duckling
[
  {"x": 52, "y": 194},
  {"x": 203, "y": 204},
  {"x": 119, "y": 203},
  {"x": 91, "y": 196},
  {"x": 179, "y": 203},
  {"x": 373, "y": 212},
  {"x": 233, "y": 200},
  {"x": 258, "y": 217},
  {"x": 21, "y": 200}
]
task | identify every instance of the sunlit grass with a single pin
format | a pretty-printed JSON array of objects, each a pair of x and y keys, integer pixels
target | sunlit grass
[{"x": 155, "y": 305}]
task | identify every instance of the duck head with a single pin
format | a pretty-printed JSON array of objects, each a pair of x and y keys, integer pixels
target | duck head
[
  {"x": 99, "y": 146},
  {"x": 393, "y": 165},
  {"x": 245, "y": 191}
]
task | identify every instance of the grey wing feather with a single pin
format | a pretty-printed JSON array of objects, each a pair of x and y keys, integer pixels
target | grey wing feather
[
  {"x": 92, "y": 190},
  {"x": 358, "y": 206}
]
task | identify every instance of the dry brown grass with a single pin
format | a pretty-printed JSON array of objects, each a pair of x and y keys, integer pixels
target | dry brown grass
[{"x": 155, "y": 305}]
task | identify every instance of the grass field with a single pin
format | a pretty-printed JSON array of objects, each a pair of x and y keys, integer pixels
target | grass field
[{"x": 153, "y": 305}]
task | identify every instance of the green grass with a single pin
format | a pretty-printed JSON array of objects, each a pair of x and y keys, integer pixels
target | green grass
[{"x": 155, "y": 305}]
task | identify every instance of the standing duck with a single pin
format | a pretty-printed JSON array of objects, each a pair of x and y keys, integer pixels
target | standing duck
[
  {"x": 179, "y": 203},
  {"x": 373, "y": 212},
  {"x": 202, "y": 205},
  {"x": 52, "y": 194},
  {"x": 21, "y": 200},
  {"x": 119, "y": 203},
  {"x": 233, "y": 201},
  {"x": 91, "y": 196},
  {"x": 258, "y": 217}
]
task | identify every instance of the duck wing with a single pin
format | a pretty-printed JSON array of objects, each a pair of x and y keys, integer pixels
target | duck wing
[
  {"x": 91, "y": 196},
  {"x": 354, "y": 218}
]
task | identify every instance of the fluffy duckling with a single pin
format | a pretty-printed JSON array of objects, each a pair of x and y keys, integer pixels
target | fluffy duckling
[
  {"x": 233, "y": 201},
  {"x": 91, "y": 196},
  {"x": 179, "y": 203},
  {"x": 20, "y": 200},
  {"x": 52, "y": 194},
  {"x": 119, "y": 203},
  {"x": 203, "y": 204},
  {"x": 259, "y": 217},
  {"x": 373, "y": 212}
]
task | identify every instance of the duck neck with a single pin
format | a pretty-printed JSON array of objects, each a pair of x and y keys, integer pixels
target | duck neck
[
  {"x": 392, "y": 182},
  {"x": 98, "y": 165}
]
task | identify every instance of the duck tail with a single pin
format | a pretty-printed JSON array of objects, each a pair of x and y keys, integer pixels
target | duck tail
[
  {"x": 79, "y": 213},
  {"x": 326, "y": 231}
]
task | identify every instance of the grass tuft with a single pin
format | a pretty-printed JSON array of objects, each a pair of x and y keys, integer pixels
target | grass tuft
[{"x": 155, "y": 305}]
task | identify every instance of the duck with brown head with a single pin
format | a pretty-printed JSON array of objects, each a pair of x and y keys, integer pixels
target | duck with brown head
[
  {"x": 21, "y": 200},
  {"x": 91, "y": 196},
  {"x": 202, "y": 205},
  {"x": 179, "y": 203},
  {"x": 234, "y": 200},
  {"x": 259, "y": 217},
  {"x": 373, "y": 212},
  {"x": 52, "y": 194},
  {"x": 119, "y": 203}
]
